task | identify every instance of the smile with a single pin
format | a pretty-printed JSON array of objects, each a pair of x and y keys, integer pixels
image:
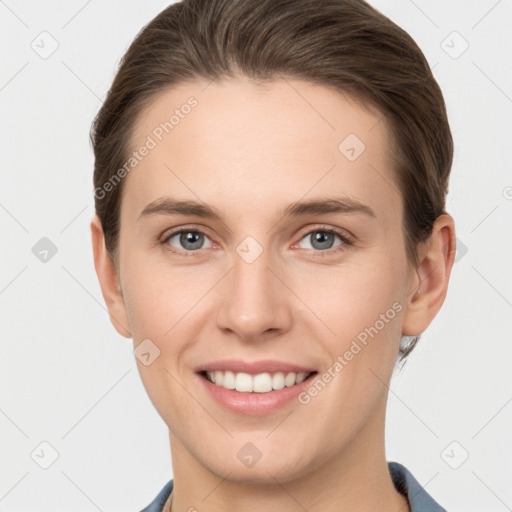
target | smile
[
  {"x": 259, "y": 383},
  {"x": 254, "y": 388}
]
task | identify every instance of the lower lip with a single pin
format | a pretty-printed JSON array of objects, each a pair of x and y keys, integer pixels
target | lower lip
[{"x": 254, "y": 404}]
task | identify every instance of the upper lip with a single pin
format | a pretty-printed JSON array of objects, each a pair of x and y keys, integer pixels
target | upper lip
[{"x": 253, "y": 367}]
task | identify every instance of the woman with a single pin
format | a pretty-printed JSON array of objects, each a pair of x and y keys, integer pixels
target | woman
[{"x": 270, "y": 182}]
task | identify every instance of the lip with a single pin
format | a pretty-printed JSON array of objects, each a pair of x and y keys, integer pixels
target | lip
[
  {"x": 253, "y": 404},
  {"x": 252, "y": 367}
]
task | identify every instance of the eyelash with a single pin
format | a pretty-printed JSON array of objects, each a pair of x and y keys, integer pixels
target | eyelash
[{"x": 346, "y": 239}]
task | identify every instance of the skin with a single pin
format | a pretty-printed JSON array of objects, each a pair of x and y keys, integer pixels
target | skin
[{"x": 249, "y": 150}]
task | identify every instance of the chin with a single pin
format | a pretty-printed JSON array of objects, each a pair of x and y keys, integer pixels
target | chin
[{"x": 252, "y": 465}]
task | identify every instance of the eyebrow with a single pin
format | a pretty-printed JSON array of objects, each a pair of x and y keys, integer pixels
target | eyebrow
[{"x": 170, "y": 206}]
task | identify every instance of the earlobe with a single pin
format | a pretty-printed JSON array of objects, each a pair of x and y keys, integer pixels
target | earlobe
[
  {"x": 108, "y": 279},
  {"x": 429, "y": 286}
]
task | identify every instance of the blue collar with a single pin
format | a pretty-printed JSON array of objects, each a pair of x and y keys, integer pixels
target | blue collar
[{"x": 406, "y": 484}]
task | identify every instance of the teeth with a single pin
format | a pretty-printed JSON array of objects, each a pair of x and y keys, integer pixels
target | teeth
[
  {"x": 229, "y": 381},
  {"x": 278, "y": 381},
  {"x": 244, "y": 382},
  {"x": 289, "y": 380},
  {"x": 260, "y": 383},
  {"x": 300, "y": 377}
]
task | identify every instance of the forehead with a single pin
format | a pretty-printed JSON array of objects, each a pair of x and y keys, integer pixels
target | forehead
[{"x": 239, "y": 140}]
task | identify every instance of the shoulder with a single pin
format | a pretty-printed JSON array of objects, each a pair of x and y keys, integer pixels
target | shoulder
[
  {"x": 158, "y": 503},
  {"x": 405, "y": 483}
]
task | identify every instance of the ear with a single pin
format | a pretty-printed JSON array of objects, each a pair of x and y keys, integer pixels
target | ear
[
  {"x": 428, "y": 287},
  {"x": 109, "y": 280}
]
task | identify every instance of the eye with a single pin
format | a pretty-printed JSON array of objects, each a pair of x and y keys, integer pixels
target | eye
[
  {"x": 185, "y": 242},
  {"x": 188, "y": 240},
  {"x": 323, "y": 239}
]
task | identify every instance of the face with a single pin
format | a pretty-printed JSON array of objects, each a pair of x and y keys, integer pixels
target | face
[{"x": 263, "y": 235}]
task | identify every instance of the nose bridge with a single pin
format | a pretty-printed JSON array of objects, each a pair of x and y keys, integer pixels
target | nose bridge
[{"x": 254, "y": 300}]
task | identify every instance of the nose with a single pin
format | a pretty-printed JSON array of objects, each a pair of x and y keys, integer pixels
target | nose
[{"x": 255, "y": 302}]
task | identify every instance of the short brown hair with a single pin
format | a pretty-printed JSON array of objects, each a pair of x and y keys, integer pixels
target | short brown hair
[{"x": 343, "y": 44}]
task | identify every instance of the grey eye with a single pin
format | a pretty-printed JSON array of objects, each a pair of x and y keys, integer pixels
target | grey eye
[
  {"x": 320, "y": 239},
  {"x": 188, "y": 239}
]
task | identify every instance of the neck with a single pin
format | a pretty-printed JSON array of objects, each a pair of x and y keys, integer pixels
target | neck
[{"x": 355, "y": 478}]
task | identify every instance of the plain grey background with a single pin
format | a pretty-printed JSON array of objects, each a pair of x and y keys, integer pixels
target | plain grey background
[{"x": 69, "y": 381}]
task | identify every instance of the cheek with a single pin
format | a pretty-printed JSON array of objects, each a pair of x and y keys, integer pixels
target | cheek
[
  {"x": 355, "y": 294},
  {"x": 159, "y": 297},
  {"x": 361, "y": 304},
  {"x": 164, "y": 305}
]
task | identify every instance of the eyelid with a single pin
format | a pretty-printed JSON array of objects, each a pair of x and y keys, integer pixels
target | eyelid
[
  {"x": 174, "y": 231},
  {"x": 166, "y": 235},
  {"x": 342, "y": 233}
]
